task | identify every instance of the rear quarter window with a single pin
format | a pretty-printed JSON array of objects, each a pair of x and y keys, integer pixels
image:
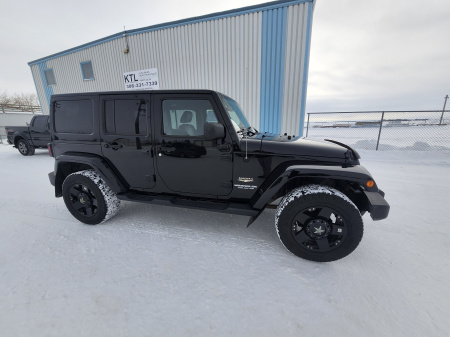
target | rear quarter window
[
  {"x": 40, "y": 122},
  {"x": 74, "y": 117}
]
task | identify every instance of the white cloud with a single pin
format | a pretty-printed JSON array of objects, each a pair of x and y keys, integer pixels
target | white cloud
[{"x": 379, "y": 55}]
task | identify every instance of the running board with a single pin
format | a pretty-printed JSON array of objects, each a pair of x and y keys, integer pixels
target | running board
[{"x": 214, "y": 206}]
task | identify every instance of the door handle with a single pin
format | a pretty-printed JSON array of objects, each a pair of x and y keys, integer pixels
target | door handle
[{"x": 113, "y": 146}]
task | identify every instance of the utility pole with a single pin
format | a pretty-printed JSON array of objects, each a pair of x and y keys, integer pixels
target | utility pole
[{"x": 443, "y": 109}]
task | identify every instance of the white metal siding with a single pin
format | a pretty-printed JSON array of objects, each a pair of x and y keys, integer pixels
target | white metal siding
[
  {"x": 297, "y": 19},
  {"x": 13, "y": 119},
  {"x": 222, "y": 53}
]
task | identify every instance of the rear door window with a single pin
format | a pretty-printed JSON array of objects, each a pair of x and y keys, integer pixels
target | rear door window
[{"x": 125, "y": 117}]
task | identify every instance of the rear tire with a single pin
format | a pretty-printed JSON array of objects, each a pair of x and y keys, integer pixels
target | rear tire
[
  {"x": 319, "y": 223},
  {"x": 89, "y": 198},
  {"x": 24, "y": 148}
]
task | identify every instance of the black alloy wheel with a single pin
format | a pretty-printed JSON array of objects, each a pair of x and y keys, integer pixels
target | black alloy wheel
[
  {"x": 83, "y": 200},
  {"x": 319, "y": 229},
  {"x": 319, "y": 223},
  {"x": 88, "y": 198}
]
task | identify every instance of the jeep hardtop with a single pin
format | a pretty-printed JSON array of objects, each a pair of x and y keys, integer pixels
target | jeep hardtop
[{"x": 195, "y": 149}]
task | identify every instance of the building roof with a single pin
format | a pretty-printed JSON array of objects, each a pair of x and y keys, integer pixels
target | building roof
[{"x": 208, "y": 17}]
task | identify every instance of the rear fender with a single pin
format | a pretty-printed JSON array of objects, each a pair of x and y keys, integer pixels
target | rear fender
[
  {"x": 22, "y": 134},
  {"x": 70, "y": 163}
]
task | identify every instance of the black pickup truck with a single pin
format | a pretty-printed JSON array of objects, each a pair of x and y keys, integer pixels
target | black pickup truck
[
  {"x": 195, "y": 149},
  {"x": 27, "y": 138}
]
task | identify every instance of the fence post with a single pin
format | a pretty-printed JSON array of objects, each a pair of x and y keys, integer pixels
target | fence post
[
  {"x": 379, "y": 132},
  {"x": 307, "y": 127},
  {"x": 443, "y": 109}
]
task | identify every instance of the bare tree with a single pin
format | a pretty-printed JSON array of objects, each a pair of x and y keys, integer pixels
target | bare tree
[
  {"x": 22, "y": 99},
  {"x": 4, "y": 98}
]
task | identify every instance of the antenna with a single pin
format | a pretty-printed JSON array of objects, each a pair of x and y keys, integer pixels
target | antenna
[{"x": 127, "y": 49}]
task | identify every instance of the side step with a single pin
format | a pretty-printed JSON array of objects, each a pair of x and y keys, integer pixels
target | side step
[{"x": 206, "y": 205}]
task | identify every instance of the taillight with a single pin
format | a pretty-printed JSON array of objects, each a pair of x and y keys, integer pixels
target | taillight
[{"x": 50, "y": 149}]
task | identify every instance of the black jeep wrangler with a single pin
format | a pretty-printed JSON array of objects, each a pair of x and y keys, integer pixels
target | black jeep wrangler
[{"x": 195, "y": 149}]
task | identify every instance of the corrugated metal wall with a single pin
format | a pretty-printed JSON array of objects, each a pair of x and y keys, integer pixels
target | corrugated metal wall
[
  {"x": 257, "y": 56},
  {"x": 13, "y": 119},
  {"x": 298, "y": 35}
]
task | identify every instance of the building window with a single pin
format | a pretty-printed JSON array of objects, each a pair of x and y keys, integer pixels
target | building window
[
  {"x": 87, "y": 71},
  {"x": 50, "y": 76}
]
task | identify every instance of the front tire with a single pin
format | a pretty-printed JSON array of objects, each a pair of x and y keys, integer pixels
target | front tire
[
  {"x": 89, "y": 198},
  {"x": 319, "y": 223}
]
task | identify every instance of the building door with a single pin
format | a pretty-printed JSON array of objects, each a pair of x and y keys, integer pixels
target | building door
[
  {"x": 186, "y": 161},
  {"x": 126, "y": 138}
]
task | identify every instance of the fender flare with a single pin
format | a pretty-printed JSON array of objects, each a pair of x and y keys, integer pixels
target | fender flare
[
  {"x": 24, "y": 135},
  {"x": 97, "y": 163},
  {"x": 357, "y": 174}
]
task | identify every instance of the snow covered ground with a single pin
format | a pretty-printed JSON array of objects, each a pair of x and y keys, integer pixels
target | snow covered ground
[{"x": 157, "y": 271}]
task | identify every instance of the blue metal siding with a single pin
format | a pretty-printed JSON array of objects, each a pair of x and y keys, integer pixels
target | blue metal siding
[
  {"x": 47, "y": 88},
  {"x": 272, "y": 69}
]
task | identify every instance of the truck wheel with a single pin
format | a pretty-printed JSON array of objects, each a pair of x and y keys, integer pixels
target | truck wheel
[
  {"x": 88, "y": 197},
  {"x": 319, "y": 223},
  {"x": 24, "y": 148}
]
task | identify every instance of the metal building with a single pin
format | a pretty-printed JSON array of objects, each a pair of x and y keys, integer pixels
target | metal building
[{"x": 258, "y": 55}]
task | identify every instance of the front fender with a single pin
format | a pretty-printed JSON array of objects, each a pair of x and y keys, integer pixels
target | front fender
[
  {"x": 65, "y": 163},
  {"x": 272, "y": 185}
]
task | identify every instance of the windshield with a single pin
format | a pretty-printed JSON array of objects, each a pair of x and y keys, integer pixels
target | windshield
[{"x": 235, "y": 113}]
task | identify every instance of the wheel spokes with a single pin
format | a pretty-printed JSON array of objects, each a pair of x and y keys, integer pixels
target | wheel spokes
[
  {"x": 301, "y": 237},
  {"x": 323, "y": 244},
  {"x": 73, "y": 191},
  {"x": 77, "y": 205},
  {"x": 319, "y": 228},
  {"x": 325, "y": 212},
  {"x": 337, "y": 230},
  {"x": 301, "y": 219},
  {"x": 89, "y": 211}
]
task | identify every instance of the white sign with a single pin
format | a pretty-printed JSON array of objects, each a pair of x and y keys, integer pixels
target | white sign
[{"x": 146, "y": 79}]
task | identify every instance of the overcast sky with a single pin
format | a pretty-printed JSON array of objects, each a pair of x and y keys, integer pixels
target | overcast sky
[{"x": 365, "y": 54}]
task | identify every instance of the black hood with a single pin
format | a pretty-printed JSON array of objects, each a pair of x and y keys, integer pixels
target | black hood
[{"x": 286, "y": 145}]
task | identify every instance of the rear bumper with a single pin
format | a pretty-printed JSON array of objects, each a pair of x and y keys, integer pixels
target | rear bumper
[
  {"x": 378, "y": 206},
  {"x": 52, "y": 178}
]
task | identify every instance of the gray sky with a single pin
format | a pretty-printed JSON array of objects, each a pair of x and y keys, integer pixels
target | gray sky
[{"x": 365, "y": 54}]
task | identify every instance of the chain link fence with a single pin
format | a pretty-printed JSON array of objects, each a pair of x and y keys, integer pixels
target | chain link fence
[{"x": 383, "y": 130}]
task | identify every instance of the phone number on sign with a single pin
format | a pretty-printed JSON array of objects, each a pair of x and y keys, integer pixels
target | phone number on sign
[{"x": 142, "y": 85}]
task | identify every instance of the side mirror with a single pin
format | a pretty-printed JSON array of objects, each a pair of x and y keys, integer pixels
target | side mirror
[{"x": 214, "y": 131}]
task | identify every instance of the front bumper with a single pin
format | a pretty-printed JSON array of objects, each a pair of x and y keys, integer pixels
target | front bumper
[{"x": 378, "y": 206}]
